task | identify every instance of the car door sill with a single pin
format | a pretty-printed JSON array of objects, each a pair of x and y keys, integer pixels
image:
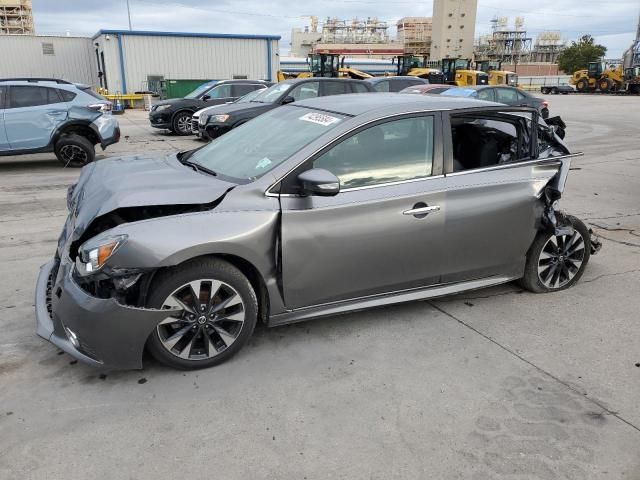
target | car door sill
[{"x": 346, "y": 306}]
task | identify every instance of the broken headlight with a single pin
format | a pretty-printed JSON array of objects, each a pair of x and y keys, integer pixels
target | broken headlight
[{"x": 93, "y": 255}]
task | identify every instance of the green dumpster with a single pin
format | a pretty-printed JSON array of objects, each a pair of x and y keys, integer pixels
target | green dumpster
[{"x": 181, "y": 88}]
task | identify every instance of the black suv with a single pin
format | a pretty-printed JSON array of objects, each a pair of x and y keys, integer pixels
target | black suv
[
  {"x": 175, "y": 114},
  {"x": 216, "y": 121}
]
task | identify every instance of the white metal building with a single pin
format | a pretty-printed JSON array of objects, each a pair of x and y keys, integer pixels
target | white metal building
[
  {"x": 126, "y": 61},
  {"x": 130, "y": 60},
  {"x": 68, "y": 58}
]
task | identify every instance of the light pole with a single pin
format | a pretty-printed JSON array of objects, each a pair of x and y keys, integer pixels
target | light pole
[{"x": 129, "y": 14}]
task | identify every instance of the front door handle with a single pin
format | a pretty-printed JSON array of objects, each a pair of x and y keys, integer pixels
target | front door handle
[{"x": 421, "y": 210}]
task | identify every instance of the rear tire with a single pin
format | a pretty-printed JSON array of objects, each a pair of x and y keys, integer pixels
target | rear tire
[
  {"x": 554, "y": 91},
  {"x": 545, "y": 90},
  {"x": 556, "y": 263},
  {"x": 74, "y": 151},
  {"x": 605, "y": 85},
  {"x": 214, "y": 323}
]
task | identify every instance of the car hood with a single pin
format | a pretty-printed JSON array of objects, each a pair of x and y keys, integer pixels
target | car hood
[{"x": 139, "y": 181}]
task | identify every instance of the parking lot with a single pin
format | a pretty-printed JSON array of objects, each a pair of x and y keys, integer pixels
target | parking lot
[{"x": 496, "y": 383}]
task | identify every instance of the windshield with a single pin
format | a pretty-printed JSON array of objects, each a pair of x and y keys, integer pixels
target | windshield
[
  {"x": 200, "y": 90},
  {"x": 250, "y": 96},
  {"x": 272, "y": 93},
  {"x": 248, "y": 152}
]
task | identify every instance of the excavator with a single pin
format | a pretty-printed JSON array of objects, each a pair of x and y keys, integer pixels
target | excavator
[
  {"x": 457, "y": 71},
  {"x": 599, "y": 76},
  {"x": 326, "y": 65},
  {"x": 417, "y": 66},
  {"x": 497, "y": 76}
]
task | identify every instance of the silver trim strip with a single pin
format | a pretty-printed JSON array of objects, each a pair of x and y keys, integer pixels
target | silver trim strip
[{"x": 501, "y": 166}]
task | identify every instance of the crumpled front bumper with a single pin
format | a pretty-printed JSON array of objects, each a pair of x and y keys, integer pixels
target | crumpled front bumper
[{"x": 107, "y": 334}]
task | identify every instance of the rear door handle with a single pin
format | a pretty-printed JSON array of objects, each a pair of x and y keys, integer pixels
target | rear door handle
[{"x": 420, "y": 210}]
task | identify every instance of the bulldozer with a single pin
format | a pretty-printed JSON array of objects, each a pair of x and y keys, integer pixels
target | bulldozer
[
  {"x": 417, "y": 66},
  {"x": 457, "y": 71},
  {"x": 497, "y": 76},
  {"x": 598, "y": 76},
  {"x": 326, "y": 65}
]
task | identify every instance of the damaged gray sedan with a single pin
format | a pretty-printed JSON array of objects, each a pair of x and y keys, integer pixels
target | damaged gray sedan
[{"x": 319, "y": 207}]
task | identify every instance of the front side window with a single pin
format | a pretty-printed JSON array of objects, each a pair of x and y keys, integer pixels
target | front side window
[
  {"x": 358, "y": 87},
  {"x": 304, "y": 91},
  {"x": 389, "y": 152},
  {"x": 28, "y": 96},
  {"x": 485, "y": 94},
  {"x": 2, "y": 93},
  {"x": 382, "y": 86},
  {"x": 506, "y": 95},
  {"x": 246, "y": 153}
]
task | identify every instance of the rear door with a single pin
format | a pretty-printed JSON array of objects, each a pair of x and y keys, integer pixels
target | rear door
[
  {"x": 32, "y": 115},
  {"x": 383, "y": 232},
  {"x": 493, "y": 197},
  {"x": 4, "y": 144}
]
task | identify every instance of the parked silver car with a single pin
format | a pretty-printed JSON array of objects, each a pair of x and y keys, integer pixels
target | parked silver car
[{"x": 318, "y": 207}]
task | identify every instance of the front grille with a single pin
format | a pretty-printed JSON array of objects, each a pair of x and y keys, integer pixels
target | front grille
[{"x": 50, "y": 283}]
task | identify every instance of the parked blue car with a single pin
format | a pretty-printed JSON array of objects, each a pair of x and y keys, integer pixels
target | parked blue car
[{"x": 50, "y": 115}]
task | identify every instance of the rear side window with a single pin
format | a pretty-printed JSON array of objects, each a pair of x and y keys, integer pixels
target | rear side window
[
  {"x": 358, "y": 87},
  {"x": 305, "y": 90},
  {"x": 2, "y": 92},
  {"x": 335, "y": 88},
  {"x": 66, "y": 95},
  {"x": 389, "y": 152},
  {"x": 28, "y": 96},
  {"x": 485, "y": 94},
  {"x": 241, "y": 90}
]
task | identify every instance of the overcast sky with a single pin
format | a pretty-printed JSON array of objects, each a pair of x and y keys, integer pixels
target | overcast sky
[{"x": 613, "y": 23}]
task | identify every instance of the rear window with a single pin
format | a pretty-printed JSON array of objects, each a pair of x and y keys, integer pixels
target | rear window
[
  {"x": 66, "y": 95},
  {"x": 88, "y": 91}
]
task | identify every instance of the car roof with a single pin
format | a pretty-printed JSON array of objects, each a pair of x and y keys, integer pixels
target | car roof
[
  {"x": 359, "y": 103},
  {"x": 316, "y": 79},
  {"x": 430, "y": 86},
  {"x": 395, "y": 77},
  {"x": 240, "y": 80}
]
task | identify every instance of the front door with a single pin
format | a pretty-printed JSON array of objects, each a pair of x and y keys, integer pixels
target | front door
[
  {"x": 32, "y": 115},
  {"x": 383, "y": 232}
]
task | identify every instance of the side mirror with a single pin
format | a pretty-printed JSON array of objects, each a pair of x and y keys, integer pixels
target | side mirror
[
  {"x": 288, "y": 99},
  {"x": 206, "y": 98},
  {"x": 320, "y": 182}
]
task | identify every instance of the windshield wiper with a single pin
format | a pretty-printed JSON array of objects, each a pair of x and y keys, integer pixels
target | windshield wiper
[{"x": 197, "y": 166}]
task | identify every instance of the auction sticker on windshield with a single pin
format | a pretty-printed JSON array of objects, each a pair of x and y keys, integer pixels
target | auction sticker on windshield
[{"x": 319, "y": 118}]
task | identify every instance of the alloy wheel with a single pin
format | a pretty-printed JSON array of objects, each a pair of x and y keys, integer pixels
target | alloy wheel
[
  {"x": 210, "y": 318},
  {"x": 184, "y": 124},
  {"x": 560, "y": 259},
  {"x": 73, "y": 155}
]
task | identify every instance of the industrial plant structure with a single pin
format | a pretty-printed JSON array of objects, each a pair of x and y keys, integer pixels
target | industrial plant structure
[
  {"x": 16, "y": 17},
  {"x": 415, "y": 34}
]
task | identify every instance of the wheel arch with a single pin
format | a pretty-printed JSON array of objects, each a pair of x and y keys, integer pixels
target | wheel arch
[{"x": 78, "y": 127}]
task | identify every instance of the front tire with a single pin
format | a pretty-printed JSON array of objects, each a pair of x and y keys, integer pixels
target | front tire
[
  {"x": 217, "y": 310},
  {"x": 582, "y": 85},
  {"x": 181, "y": 124},
  {"x": 555, "y": 263},
  {"x": 74, "y": 151}
]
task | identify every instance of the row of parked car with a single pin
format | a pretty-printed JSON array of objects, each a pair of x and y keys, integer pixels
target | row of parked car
[{"x": 217, "y": 107}]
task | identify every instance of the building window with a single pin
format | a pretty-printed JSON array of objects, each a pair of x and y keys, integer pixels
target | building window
[
  {"x": 462, "y": 14},
  {"x": 47, "y": 49},
  {"x": 240, "y": 77},
  {"x": 449, "y": 26},
  {"x": 461, "y": 26}
]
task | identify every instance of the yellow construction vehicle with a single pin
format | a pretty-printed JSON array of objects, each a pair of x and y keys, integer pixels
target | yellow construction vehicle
[
  {"x": 457, "y": 71},
  {"x": 326, "y": 65},
  {"x": 598, "y": 76},
  {"x": 418, "y": 66},
  {"x": 497, "y": 76}
]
